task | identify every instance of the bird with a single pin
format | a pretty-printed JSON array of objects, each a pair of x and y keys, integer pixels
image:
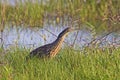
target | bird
[{"x": 51, "y": 50}]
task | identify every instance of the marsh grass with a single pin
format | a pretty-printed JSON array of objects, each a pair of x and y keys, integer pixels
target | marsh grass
[
  {"x": 33, "y": 13},
  {"x": 67, "y": 65},
  {"x": 91, "y": 64}
]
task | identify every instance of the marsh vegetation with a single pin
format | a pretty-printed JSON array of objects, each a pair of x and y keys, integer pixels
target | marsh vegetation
[
  {"x": 69, "y": 64},
  {"x": 91, "y": 62}
]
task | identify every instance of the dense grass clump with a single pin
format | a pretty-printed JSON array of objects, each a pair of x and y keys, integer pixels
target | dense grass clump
[
  {"x": 34, "y": 13},
  {"x": 68, "y": 65}
]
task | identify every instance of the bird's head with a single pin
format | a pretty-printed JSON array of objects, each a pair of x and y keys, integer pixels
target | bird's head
[{"x": 66, "y": 31}]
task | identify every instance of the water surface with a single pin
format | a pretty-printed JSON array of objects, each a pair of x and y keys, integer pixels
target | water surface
[{"x": 34, "y": 37}]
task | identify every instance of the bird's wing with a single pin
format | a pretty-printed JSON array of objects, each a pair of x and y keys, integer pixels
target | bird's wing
[{"x": 43, "y": 50}]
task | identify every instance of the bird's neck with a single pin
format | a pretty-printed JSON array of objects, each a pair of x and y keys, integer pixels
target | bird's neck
[
  {"x": 60, "y": 39},
  {"x": 57, "y": 44}
]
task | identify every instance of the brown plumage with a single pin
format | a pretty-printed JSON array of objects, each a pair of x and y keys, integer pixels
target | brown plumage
[{"x": 50, "y": 50}]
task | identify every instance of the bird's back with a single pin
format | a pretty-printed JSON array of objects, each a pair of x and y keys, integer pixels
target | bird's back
[{"x": 41, "y": 51}]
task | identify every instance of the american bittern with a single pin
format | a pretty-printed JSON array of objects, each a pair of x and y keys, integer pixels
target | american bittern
[{"x": 50, "y": 50}]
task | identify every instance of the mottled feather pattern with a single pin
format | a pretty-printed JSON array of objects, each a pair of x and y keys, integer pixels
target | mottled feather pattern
[{"x": 50, "y": 50}]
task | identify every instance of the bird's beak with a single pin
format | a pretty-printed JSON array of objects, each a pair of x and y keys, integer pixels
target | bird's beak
[{"x": 75, "y": 28}]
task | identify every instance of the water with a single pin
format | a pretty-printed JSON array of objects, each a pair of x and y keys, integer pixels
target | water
[{"x": 34, "y": 37}]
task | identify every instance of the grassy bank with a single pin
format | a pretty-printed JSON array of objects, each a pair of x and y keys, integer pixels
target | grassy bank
[{"x": 68, "y": 65}]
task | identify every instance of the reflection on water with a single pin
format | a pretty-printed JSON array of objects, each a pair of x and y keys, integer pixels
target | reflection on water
[{"x": 29, "y": 38}]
